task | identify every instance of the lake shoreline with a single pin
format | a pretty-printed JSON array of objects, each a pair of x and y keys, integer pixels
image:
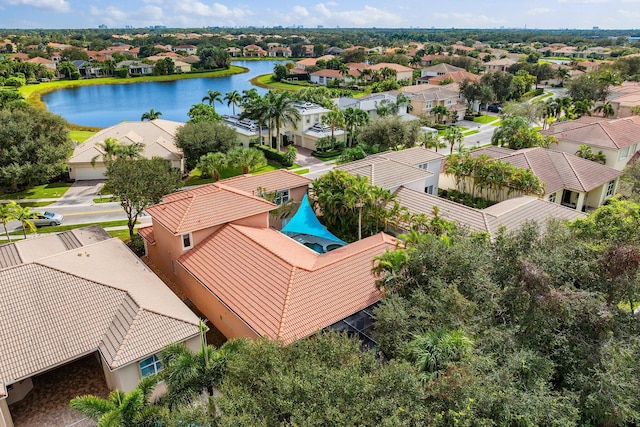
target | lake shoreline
[{"x": 33, "y": 93}]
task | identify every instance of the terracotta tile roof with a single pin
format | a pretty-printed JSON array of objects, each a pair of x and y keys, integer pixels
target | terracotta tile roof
[
  {"x": 281, "y": 288},
  {"x": 206, "y": 206},
  {"x": 397, "y": 67},
  {"x": 511, "y": 214},
  {"x": 147, "y": 234},
  {"x": 557, "y": 170},
  {"x": 280, "y": 179},
  {"x": 455, "y": 76},
  {"x": 612, "y": 134},
  {"x": 72, "y": 302}
]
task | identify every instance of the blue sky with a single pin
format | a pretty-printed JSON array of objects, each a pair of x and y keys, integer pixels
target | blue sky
[{"x": 607, "y": 14}]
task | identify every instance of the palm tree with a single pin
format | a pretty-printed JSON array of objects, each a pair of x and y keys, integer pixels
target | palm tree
[
  {"x": 439, "y": 111},
  {"x": 606, "y": 109},
  {"x": 453, "y": 135},
  {"x": 119, "y": 409},
  {"x": 150, "y": 115},
  {"x": 582, "y": 107},
  {"x": 210, "y": 165},
  {"x": 255, "y": 108},
  {"x": 131, "y": 151},
  {"x": 188, "y": 374},
  {"x": 333, "y": 119},
  {"x": 388, "y": 267},
  {"x": 562, "y": 74},
  {"x": 24, "y": 214},
  {"x": 438, "y": 349},
  {"x": 212, "y": 97},
  {"x": 246, "y": 158},
  {"x": 7, "y": 213},
  {"x": 353, "y": 119},
  {"x": 431, "y": 140},
  {"x": 357, "y": 195},
  {"x": 403, "y": 101},
  {"x": 282, "y": 111},
  {"x": 233, "y": 99}
]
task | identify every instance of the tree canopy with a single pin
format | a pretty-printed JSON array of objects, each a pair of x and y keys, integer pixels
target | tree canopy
[
  {"x": 34, "y": 146},
  {"x": 199, "y": 138}
]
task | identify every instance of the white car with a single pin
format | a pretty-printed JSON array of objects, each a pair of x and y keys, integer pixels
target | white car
[{"x": 47, "y": 218}]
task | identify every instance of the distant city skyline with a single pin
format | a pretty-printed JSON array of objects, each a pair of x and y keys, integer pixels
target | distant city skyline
[{"x": 543, "y": 14}]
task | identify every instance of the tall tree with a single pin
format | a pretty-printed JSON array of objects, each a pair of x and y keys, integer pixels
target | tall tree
[
  {"x": 7, "y": 213},
  {"x": 197, "y": 139},
  {"x": 34, "y": 146},
  {"x": 210, "y": 165},
  {"x": 453, "y": 135},
  {"x": 212, "y": 97},
  {"x": 150, "y": 115},
  {"x": 25, "y": 215},
  {"x": 333, "y": 119},
  {"x": 140, "y": 183},
  {"x": 281, "y": 111},
  {"x": 358, "y": 195},
  {"x": 233, "y": 99}
]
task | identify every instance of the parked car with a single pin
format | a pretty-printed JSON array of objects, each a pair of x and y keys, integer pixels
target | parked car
[
  {"x": 47, "y": 218},
  {"x": 494, "y": 108}
]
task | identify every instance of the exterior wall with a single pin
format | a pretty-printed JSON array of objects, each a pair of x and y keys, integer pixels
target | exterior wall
[
  {"x": 418, "y": 185},
  {"x": 216, "y": 312},
  {"x": 128, "y": 377},
  {"x": 169, "y": 247},
  {"x": 408, "y": 75},
  {"x": 5, "y": 416},
  {"x": 613, "y": 156}
]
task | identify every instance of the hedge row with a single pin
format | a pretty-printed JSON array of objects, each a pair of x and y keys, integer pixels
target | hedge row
[{"x": 278, "y": 156}]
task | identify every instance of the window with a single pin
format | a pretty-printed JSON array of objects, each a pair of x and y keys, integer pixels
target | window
[
  {"x": 186, "y": 241},
  {"x": 149, "y": 366},
  {"x": 429, "y": 189},
  {"x": 282, "y": 196},
  {"x": 429, "y": 104},
  {"x": 424, "y": 166},
  {"x": 552, "y": 198},
  {"x": 624, "y": 153},
  {"x": 308, "y": 119},
  {"x": 610, "y": 188}
]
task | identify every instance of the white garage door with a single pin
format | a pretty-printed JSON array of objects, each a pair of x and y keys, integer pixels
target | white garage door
[{"x": 86, "y": 173}]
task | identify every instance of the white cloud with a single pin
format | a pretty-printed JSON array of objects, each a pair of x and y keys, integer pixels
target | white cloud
[
  {"x": 215, "y": 10},
  {"x": 54, "y": 5},
  {"x": 300, "y": 11},
  {"x": 584, "y": 1},
  {"x": 538, "y": 11},
  {"x": 368, "y": 16},
  {"x": 114, "y": 16}
]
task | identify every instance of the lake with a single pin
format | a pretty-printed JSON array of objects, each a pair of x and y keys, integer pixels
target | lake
[{"x": 106, "y": 105}]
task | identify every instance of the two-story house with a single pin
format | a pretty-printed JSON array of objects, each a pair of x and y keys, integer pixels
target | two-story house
[
  {"x": 249, "y": 279},
  {"x": 617, "y": 139}
]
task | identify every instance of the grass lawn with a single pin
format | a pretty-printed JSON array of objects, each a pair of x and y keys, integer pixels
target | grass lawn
[
  {"x": 302, "y": 171},
  {"x": 53, "y": 190},
  {"x": 266, "y": 82},
  {"x": 80, "y": 135},
  {"x": 104, "y": 200},
  {"x": 541, "y": 97},
  {"x": 485, "y": 119},
  {"x": 120, "y": 234},
  {"x": 471, "y": 132},
  {"x": 58, "y": 228},
  {"x": 496, "y": 123},
  {"x": 194, "y": 176}
]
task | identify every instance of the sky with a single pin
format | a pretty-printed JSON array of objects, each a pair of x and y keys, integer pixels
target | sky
[{"x": 547, "y": 14}]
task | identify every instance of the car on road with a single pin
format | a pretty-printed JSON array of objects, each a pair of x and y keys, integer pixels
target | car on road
[
  {"x": 47, "y": 218},
  {"x": 494, "y": 108}
]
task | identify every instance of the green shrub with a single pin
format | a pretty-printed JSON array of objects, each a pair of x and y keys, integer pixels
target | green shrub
[
  {"x": 137, "y": 245},
  {"x": 465, "y": 199},
  {"x": 285, "y": 158}
]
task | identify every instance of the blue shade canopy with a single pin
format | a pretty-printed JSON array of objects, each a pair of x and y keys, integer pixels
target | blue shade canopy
[{"x": 305, "y": 222}]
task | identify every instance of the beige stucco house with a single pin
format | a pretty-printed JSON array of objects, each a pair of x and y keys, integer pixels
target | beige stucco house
[
  {"x": 568, "y": 179},
  {"x": 158, "y": 137},
  {"x": 80, "y": 293},
  {"x": 618, "y": 139}
]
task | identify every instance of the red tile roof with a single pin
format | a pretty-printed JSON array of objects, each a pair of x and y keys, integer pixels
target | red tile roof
[
  {"x": 205, "y": 207},
  {"x": 598, "y": 132},
  {"x": 281, "y": 288}
]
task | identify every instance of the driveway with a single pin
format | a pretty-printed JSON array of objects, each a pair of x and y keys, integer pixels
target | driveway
[{"x": 81, "y": 192}]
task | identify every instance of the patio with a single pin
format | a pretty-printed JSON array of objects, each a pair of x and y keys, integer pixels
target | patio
[{"x": 47, "y": 404}]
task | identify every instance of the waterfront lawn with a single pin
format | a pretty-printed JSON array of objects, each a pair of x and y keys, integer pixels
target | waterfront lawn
[
  {"x": 46, "y": 191},
  {"x": 80, "y": 135},
  {"x": 194, "y": 176},
  {"x": 58, "y": 228}
]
